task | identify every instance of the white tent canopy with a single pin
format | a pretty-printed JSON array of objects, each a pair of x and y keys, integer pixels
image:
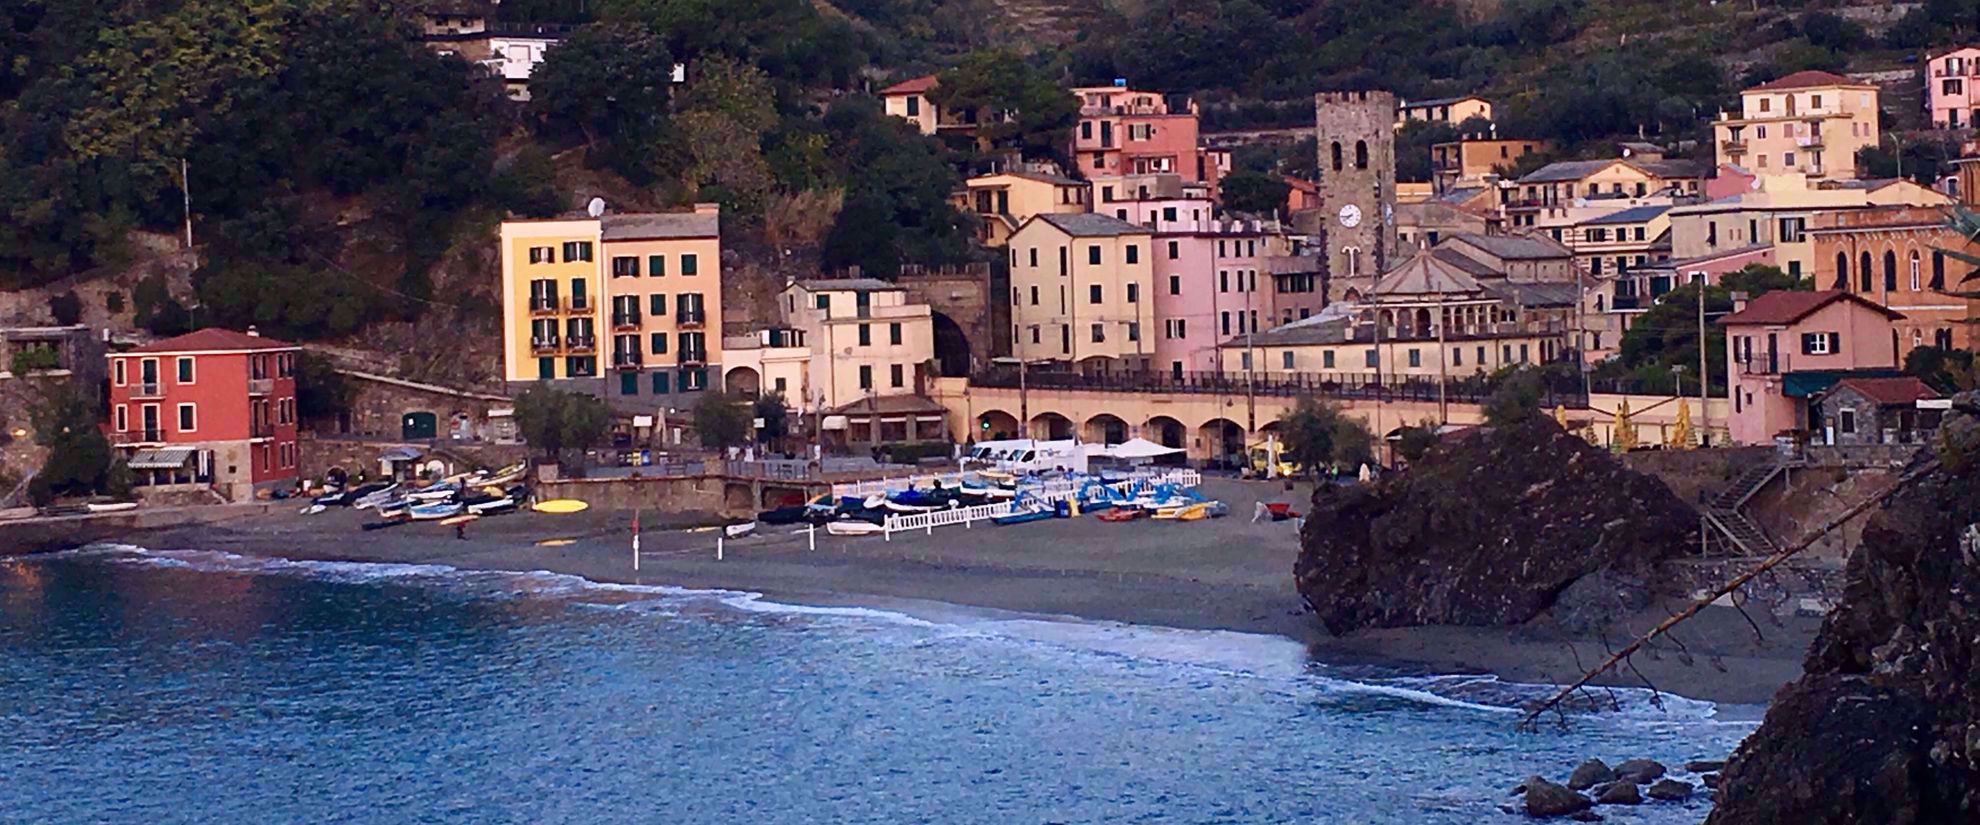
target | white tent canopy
[{"x": 1131, "y": 449}]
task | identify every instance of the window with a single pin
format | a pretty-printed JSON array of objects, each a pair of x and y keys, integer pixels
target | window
[
  {"x": 542, "y": 255},
  {"x": 1034, "y": 334},
  {"x": 123, "y": 376},
  {"x": 1093, "y": 255},
  {"x": 1337, "y": 156},
  {"x": 546, "y": 368},
  {"x": 823, "y": 302},
  {"x": 1457, "y": 356},
  {"x": 660, "y": 383},
  {"x": 186, "y": 418},
  {"x": 1938, "y": 269},
  {"x": 578, "y": 300},
  {"x": 656, "y": 305},
  {"x": 895, "y": 375},
  {"x": 1099, "y": 333},
  {"x": 894, "y": 334},
  {"x": 659, "y": 343},
  {"x": 1134, "y": 290},
  {"x": 1034, "y": 257},
  {"x": 1134, "y": 331},
  {"x": 656, "y": 266},
  {"x": 123, "y": 418},
  {"x": 1226, "y": 323},
  {"x": 1890, "y": 271},
  {"x": 1821, "y": 343},
  {"x": 693, "y": 380},
  {"x": 1846, "y": 421},
  {"x": 1372, "y": 359},
  {"x": 1175, "y": 250},
  {"x": 628, "y": 383},
  {"x": 1327, "y": 359},
  {"x": 1915, "y": 274},
  {"x": 1787, "y": 158},
  {"x": 690, "y": 265},
  {"x": 185, "y": 370},
  {"x": 1415, "y": 358},
  {"x": 1791, "y": 230},
  {"x": 1814, "y": 101},
  {"x": 1175, "y": 288},
  {"x": 1223, "y": 281},
  {"x": 1863, "y": 274},
  {"x": 914, "y": 106},
  {"x": 866, "y": 376},
  {"x": 1133, "y": 253},
  {"x": 1522, "y": 353},
  {"x": 1034, "y": 296},
  {"x": 577, "y": 251},
  {"x": 580, "y": 366},
  {"x": 1169, "y": 215},
  {"x": 625, "y": 266},
  {"x": 866, "y": 335},
  {"x": 1093, "y": 294},
  {"x": 1361, "y": 154}
]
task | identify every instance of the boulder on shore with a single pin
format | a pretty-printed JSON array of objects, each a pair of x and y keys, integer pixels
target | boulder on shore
[
  {"x": 1640, "y": 771},
  {"x": 1589, "y": 774},
  {"x": 1884, "y": 724},
  {"x": 1619, "y": 793},
  {"x": 1670, "y": 790},
  {"x": 1492, "y": 530},
  {"x": 1544, "y": 798}
]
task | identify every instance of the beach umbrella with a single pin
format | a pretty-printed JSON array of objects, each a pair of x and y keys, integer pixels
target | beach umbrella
[
  {"x": 1625, "y": 435},
  {"x": 1367, "y": 474},
  {"x": 1681, "y": 431}
]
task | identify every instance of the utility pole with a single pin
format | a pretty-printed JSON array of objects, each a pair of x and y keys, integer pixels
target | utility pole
[
  {"x": 1704, "y": 384},
  {"x": 1250, "y": 363},
  {"x": 1443, "y": 373},
  {"x": 185, "y": 190}
]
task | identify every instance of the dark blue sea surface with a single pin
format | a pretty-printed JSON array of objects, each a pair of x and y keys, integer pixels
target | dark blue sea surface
[{"x": 203, "y": 687}]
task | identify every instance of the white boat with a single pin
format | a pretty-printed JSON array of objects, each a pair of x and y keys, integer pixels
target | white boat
[
  {"x": 876, "y": 501},
  {"x": 497, "y": 478},
  {"x": 898, "y": 507},
  {"x": 435, "y": 510},
  {"x": 736, "y": 531},
  {"x": 112, "y": 507},
  {"x": 852, "y": 527},
  {"x": 502, "y": 504},
  {"x": 313, "y": 509},
  {"x": 373, "y": 499},
  {"x": 437, "y": 492}
]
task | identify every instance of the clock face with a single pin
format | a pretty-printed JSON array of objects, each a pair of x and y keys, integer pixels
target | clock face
[{"x": 1350, "y": 216}]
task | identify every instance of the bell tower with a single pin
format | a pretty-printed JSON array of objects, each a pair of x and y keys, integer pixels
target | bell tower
[{"x": 1356, "y": 134}]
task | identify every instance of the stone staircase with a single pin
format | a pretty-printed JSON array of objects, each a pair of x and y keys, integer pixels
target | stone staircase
[{"x": 1725, "y": 513}]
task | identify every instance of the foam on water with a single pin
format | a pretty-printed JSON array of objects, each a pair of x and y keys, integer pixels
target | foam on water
[{"x": 1228, "y": 653}]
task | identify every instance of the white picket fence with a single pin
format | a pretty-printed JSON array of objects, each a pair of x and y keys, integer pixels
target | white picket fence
[{"x": 1050, "y": 494}]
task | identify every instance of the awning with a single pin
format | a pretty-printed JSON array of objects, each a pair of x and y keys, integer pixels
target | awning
[{"x": 173, "y": 458}]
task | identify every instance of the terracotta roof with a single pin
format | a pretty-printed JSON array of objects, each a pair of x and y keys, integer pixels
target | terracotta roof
[
  {"x": 1807, "y": 79},
  {"x": 916, "y": 86},
  {"x": 1889, "y": 391},
  {"x": 214, "y": 339},
  {"x": 1786, "y": 306}
]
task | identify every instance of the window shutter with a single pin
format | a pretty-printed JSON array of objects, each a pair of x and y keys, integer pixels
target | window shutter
[
  {"x": 1835, "y": 343},
  {"x": 1807, "y": 343}
]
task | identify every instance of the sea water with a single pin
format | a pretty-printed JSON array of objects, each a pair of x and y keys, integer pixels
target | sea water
[{"x": 204, "y": 687}]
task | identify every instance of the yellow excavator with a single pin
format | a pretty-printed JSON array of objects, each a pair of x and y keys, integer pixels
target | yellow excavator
[{"x": 1267, "y": 459}]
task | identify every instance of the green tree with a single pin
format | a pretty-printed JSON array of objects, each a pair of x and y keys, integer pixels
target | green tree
[
  {"x": 1413, "y": 144},
  {"x": 80, "y": 461},
  {"x": 1413, "y": 443},
  {"x": 897, "y": 207},
  {"x": 321, "y": 391},
  {"x": 610, "y": 84},
  {"x": 1666, "y": 337},
  {"x": 776, "y": 419},
  {"x": 554, "y": 421},
  {"x": 67, "y": 308},
  {"x": 1014, "y": 105},
  {"x": 1253, "y": 192},
  {"x": 1516, "y": 398},
  {"x": 1309, "y": 431},
  {"x": 721, "y": 421},
  {"x": 1354, "y": 444},
  {"x": 35, "y": 359},
  {"x": 1948, "y": 371},
  {"x": 726, "y": 110}
]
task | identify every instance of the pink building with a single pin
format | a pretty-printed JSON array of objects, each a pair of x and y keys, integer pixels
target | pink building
[
  {"x": 1951, "y": 101},
  {"x": 1787, "y": 346},
  {"x": 1208, "y": 290},
  {"x": 1123, "y": 132}
]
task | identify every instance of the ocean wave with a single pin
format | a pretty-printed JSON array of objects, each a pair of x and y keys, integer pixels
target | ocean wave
[{"x": 1225, "y": 652}]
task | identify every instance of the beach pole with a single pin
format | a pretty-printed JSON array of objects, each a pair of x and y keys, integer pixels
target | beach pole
[
  {"x": 635, "y": 541},
  {"x": 718, "y": 548},
  {"x": 811, "y": 537}
]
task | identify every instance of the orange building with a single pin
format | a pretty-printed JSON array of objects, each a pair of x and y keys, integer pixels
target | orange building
[{"x": 1892, "y": 256}]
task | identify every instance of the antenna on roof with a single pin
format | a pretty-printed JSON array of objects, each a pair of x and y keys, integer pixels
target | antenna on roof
[{"x": 595, "y": 208}]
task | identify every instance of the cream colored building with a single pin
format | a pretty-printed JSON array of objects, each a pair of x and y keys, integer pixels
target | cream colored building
[
  {"x": 1779, "y": 213},
  {"x": 1081, "y": 291},
  {"x": 769, "y": 361},
  {"x": 1809, "y": 122},
  {"x": 1451, "y": 110},
  {"x": 1475, "y": 161},
  {"x": 1001, "y": 202},
  {"x": 1546, "y": 196},
  {"x": 908, "y": 100},
  {"x": 865, "y": 339}
]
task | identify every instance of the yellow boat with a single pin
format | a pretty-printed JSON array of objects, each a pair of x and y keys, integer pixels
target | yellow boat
[
  {"x": 561, "y": 506},
  {"x": 1194, "y": 512}
]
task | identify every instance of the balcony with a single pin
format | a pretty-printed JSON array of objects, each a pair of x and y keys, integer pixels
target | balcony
[
  {"x": 261, "y": 386},
  {"x": 544, "y": 346},
  {"x": 580, "y": 344},
  {"x": 691, "y": 320},
  {"x": 1734, "y": 146},
  {"x": 1809, "y": 142},
  {"x": 626, "y": 360},
  {"x": 543, "y": 305},
  {"x": 696, "y": 357},
  {"x": 1622, "y": 302},
  {"x": 148, "y": 390},
  {"x": 261, "y": 429},
  {"x": 151, "y": 435},
  {"x": 1761, "y": 363},
  {"x": 625, "y": 320}
]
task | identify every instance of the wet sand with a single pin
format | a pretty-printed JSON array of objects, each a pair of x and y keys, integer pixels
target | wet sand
[{"x": 1223, "y": 574}]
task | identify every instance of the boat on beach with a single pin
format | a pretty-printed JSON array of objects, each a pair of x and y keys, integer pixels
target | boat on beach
[
  {"x": 852, "y": 527},
  {"x": 429, "y": 511},
  {"x": 378, "y": 496},
  {"x": 437, "y": 492}
]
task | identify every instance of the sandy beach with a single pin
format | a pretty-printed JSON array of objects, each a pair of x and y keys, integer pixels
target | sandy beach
[{"x": 1223, "y": 574}]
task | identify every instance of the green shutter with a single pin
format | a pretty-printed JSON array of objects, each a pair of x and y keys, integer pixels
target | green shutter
[
  {"x": 656, "y": 265},
  {"x": 546, "y": 368},
  {"x": 659, "y": 343},
  {"x": 660, "y": 383},
  {"x": 628, "y": 383},
  {"x": 657, "y": 305},
  {"x": 689, "y": 266}
]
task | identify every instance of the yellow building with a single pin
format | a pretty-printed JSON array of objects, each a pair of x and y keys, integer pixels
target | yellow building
[
  {"x": 1451, "y": 110},
  {"x": 1081, "y": 291},
  {"x": 1779, "y": 213},
  {"x": 1001, "y": 202},
  {"x": 1809, "y": 122},
  {"x": 1468, "y": 162},
  {"x": 625, "y": 296},
  {"x": 865, "y": 340}
]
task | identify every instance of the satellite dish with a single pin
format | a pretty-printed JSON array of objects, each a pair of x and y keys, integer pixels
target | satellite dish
[{"x": 595, "y": 208}]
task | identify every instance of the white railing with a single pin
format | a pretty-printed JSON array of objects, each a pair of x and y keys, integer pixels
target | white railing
[{"x": 1049, "y": 494}]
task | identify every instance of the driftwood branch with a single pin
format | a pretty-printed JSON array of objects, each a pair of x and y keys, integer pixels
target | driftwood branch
[{"x": 1664, "y": 627}]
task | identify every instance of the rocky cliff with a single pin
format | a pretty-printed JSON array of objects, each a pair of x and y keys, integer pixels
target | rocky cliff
[
  {"x": 1492, "y": 530},
  {"x": 1884, "y": 726}
]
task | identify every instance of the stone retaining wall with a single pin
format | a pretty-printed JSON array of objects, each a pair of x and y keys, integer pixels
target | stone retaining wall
[{"x": 1807, "y": 586}]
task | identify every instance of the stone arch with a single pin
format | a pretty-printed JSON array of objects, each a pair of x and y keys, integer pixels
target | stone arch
[
  {"x": 1051, "y": 426},
  {"x": 1106, "y": 428},
  {"x": 1167, "y": 432},
  {"x": 1915, "y": 272},
  {"x": 1337, "y": 156},
  {"x": 1890, "y": 270},
  {"x": 1351, "y": 295},
  {"x": 1221, "y": 442},
  {"x": 1423, "y": 321},
  {"x": 1842, "y": 270},
  {"x": 1361, "y": 154},
  {"x": 1863, "y": 272},
  {"x": 996, "y": 425},
  {"x": 952, "y": 350},
  {"x": 743, "y": 381}
]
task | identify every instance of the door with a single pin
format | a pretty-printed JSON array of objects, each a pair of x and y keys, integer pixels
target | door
[
  {"x": 419, "y": 425},
  {"x": 148, "y": 374},
  {"x": 1773, "y": 354}
]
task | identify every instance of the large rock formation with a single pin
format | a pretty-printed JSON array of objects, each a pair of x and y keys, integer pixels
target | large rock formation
[
  {"x": 1491, "y": 530},
  {"x": 1885, "y": 724}
]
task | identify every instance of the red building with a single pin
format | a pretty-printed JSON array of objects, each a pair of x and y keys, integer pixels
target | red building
[{"x": 209, "y": 409}]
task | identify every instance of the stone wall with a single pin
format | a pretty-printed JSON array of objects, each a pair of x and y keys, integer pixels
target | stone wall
[
  {"x": 699, "y": 494},
  {"x": 961, "y": 293},
  {"x": 380, "y": 404},
  {"x": 1790, "y": 508},
  {"x": 1695, "y": 475},
  {"x": 1346, "y": 119},
  {"x": 318, "y": 454}
]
